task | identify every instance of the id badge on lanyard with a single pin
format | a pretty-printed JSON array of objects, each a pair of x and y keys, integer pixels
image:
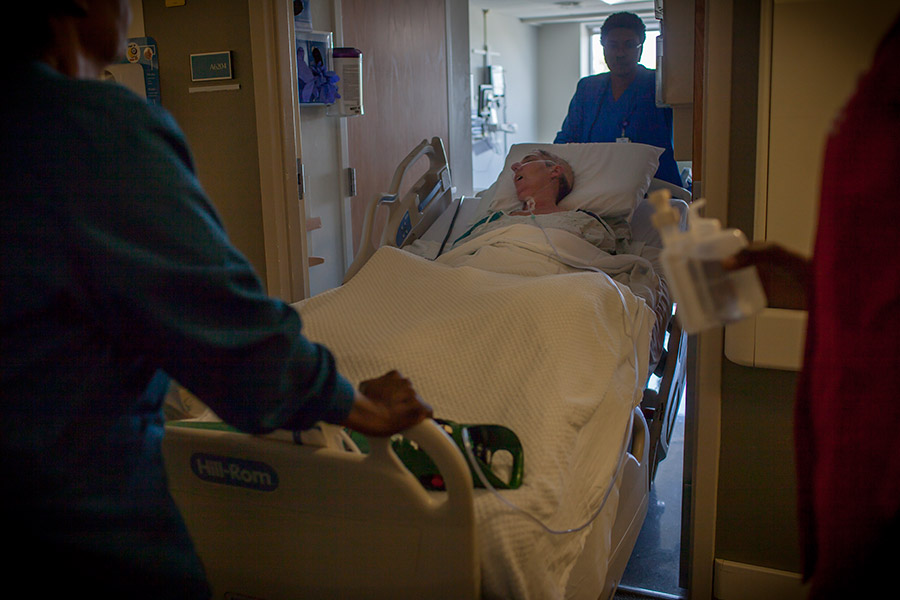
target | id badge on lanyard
[{"x": 623, "y": 139}]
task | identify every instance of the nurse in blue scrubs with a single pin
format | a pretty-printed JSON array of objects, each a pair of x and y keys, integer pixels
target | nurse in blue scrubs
[{"x": 620, "y": 106}]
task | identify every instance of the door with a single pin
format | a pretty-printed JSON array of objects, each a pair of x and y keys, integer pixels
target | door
[
  {"x": 278, "y": 138},
  {"x": 404, "y": 46}
]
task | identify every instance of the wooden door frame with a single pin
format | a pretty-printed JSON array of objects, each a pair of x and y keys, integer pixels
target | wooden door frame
[
  {"x": 704, "y": 405},
  {"x": 278, "y": 135},
  {"x": 344, "y": 151}
]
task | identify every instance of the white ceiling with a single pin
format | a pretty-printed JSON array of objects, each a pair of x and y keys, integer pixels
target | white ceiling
[{"x": 555, "y": 10}]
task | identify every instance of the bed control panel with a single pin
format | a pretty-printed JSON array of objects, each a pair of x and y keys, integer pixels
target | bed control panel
[{"x": 403, "y": 229}]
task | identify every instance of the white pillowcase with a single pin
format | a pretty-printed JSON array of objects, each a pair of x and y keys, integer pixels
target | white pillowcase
[{"x": 610, "y": 179}]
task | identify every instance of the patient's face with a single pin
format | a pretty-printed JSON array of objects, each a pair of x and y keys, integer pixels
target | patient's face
[{"x": 532, "y": 175}]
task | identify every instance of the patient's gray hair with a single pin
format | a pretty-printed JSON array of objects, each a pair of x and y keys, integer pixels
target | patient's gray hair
[{"x": 567, "y": 181}]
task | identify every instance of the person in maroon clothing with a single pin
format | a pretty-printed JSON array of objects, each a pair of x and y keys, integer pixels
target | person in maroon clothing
[{"x": 847, "y": 414}]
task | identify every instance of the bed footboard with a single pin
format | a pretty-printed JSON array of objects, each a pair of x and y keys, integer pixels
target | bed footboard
[{"x": 276, "y": 520}]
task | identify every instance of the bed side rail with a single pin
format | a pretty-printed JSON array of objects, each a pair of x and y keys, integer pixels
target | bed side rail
[
  {"x": 676, "y": 191},
  {"x": 412, "y": 214},
  {"x": 660, "y": 407}
]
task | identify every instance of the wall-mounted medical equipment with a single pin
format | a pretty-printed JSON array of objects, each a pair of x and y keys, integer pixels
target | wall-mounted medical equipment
[
  {"x": 316, "y": 81},
  {"x": 707, "y": 295},
  {"x": 348, "y": 66},
  {"x": 490, "y": 117},
  {"x": 489, "y": 107}
]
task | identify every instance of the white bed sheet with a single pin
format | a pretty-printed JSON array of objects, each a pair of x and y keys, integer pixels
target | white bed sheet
[
  {"x": 552, "y": 357},
  {"x": 645, "y": 243}
]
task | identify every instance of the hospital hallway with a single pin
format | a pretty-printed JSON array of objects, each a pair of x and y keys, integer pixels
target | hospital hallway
[{"x": 652, "y": 571}]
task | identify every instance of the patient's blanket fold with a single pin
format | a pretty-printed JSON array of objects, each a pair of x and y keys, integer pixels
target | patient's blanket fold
[{"x": 550, "y": 356}]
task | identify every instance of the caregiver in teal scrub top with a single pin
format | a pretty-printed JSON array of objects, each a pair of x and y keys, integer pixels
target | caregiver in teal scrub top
[
  {"x": 116, "y": 273},
  {"x": 621, "y": 105}
]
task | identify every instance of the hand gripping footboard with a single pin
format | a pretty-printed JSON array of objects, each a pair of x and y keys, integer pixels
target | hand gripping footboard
[{"x": 272, "y": 519}]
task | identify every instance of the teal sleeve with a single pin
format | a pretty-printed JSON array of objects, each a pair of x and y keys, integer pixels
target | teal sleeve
[{"x": 157, "y": 264}]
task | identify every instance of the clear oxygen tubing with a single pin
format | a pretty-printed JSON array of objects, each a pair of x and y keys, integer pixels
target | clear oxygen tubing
[{"x": 626, "y": 317}]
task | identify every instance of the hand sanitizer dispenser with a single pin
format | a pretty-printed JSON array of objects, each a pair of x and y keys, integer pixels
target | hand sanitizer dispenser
[
  {"x": 707, "y": 295},
  {"x": 348, "y": 66}
]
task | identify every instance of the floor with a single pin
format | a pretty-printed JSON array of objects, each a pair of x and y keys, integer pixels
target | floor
[{"x": 654, "y": 563}]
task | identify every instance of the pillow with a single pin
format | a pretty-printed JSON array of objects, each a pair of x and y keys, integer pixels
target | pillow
[{"x": 610, "y": 179}]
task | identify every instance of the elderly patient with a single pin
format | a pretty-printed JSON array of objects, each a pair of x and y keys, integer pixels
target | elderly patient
[{"x": 542, "y": 179}]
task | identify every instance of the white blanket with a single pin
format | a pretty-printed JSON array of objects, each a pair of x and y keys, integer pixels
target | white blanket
[{"x": 550, "y": 356}]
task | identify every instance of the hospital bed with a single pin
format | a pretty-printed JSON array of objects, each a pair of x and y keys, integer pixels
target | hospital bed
[{"x": 308, "y": 514}]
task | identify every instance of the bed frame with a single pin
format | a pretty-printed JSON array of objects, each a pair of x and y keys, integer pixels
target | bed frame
[
  {"x": 409, "y": 215},
  {"x": 273, "y": 519},
  {"x": 660, "y": 405}
]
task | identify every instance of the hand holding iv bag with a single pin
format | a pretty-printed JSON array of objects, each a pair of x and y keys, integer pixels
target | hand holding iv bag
[{"x": 707, "y": 294}]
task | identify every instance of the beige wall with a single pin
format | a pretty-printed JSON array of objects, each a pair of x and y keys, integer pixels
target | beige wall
[
  {"x": 136, "y": 29},
  {"x": 559, "y": 69},
  {"x": 220, "y": 126},
  {"x": 816, "y": 61}
]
